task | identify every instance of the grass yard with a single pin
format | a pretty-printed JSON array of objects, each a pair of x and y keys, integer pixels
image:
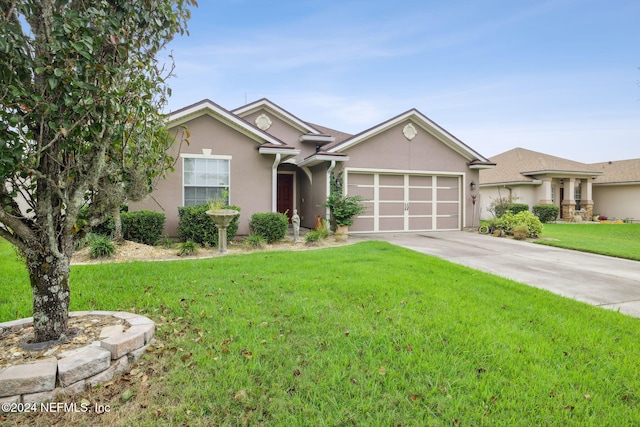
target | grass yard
[
  {"x": 365, "y": 335},
  {"x": 619, "y": 240}
]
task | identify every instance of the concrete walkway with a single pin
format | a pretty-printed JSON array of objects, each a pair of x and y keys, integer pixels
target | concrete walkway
[{"x": 595, "y": 279}]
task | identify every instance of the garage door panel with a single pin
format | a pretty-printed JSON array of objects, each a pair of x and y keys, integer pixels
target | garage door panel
[
  {"x": 447, "y": 194},
  {"x": 391, "y": 223},
  {"x": 447, "y": 181},
  {"x": 362, "y": 224},
  {"x": 391, "y": 193},
  {"x": 397, "y": 180},
  {"x": 420, "y": 223},
  {"x": 360, "y": 179},
  {"x": 365, "y": 192},
  {"x": 420, "y": 180},
  {"x": 447, "y": 208},
  {"x": 447, "y": 223},
  {"x": 420, "y": 194},
  {"x": 391, "y": 208},
  {"x": 416, "y": 208}
]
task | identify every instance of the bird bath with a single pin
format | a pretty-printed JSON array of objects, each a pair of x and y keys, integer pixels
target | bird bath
[{"x": 222, "y": 218}]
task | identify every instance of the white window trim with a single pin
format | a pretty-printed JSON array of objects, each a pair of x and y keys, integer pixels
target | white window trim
[{"x": 206, "y": 154}]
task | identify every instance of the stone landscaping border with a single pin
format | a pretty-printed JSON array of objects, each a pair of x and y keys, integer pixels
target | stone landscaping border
[{"x": 70, "y": 372}]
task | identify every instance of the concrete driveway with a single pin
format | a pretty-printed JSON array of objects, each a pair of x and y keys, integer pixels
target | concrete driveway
[{"x": 595, "y": 279}]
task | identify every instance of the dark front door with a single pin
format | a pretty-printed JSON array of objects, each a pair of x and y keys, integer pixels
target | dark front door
[
  {"x": 561, "y": 200},
  {"x": 285, "y": 194}
]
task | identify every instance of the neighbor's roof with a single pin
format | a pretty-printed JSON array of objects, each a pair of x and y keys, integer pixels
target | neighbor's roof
[
  {"x": 618, "y": 172},
  {"x": 523, "y": 166}
]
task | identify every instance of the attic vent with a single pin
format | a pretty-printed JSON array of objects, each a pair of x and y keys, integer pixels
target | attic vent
[
  {"x": 263, "y": 122},
  {"x": 409, "y": 131}
]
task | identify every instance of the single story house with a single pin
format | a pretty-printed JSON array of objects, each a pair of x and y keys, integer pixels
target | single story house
[
  {"x": 414, "y": 175},
  {"x": 609, "y": 188}
]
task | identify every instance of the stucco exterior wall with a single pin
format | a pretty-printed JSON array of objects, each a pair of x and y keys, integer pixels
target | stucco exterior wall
[
  {"x": 528, "y": 194},
  {"x": 250, "y": 174},
  {"x": 617, "y": 201}
]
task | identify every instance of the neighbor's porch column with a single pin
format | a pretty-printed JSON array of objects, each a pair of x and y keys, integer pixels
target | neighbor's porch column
[
  {"x": 546, "y": 192},
  {"x": 587, "y": 199},
  {"x": 569, "y": 202}
]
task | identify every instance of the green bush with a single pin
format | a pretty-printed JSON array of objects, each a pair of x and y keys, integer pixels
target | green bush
[
  {"x": 101, "y": 246},
  {"x": 142, "y": 226},
  {"x": 546, "y": 213},
  {"x": 315, "y": 236},
  {"x": 509, "y": 221},
  {"x": 194, "y": 224},
  {"x": 271, "y": 226},
  {"x": 516, "y": 208}
]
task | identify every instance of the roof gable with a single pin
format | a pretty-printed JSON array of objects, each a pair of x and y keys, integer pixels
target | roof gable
[
  {"x": 210, "y": 108},
  {"x": 276, "y": 110},
  {"x": 423, "y": 122}
]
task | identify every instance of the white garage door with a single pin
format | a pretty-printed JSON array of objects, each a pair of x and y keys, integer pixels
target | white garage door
[{"x": 406, "y": 201}]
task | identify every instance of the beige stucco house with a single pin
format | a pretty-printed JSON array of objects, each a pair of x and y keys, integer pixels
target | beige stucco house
[
  {"x": 610, "y": 188},
  {"x": 414, "y": 174}
]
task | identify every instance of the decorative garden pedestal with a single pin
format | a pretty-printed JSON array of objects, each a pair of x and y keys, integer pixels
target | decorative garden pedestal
[{"x": 222, "y": 218}]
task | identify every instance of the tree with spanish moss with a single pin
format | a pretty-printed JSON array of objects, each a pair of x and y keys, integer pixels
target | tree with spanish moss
[{"x": 80, "y": 94}]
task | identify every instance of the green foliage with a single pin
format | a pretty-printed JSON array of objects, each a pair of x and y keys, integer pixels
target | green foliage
[
  {"x": 343, "y": 208},
  {"x": 194, "y": 224},
  {"x": 188, "y": 248},
  {"x": 166, "y": 242},
  {"x": 254, "y": 241},
  {"x": 501, "y": 205},
  {"x": 546, "y": 213},
  {"x": 143, "y": 226},
  {"x": 271, "y": 226},
  {"x": 101, "y": 247},
  {"x": 516, "y": 208},
  {"x": 314, "y": 236},
  {"x": 508, "y": 221}
]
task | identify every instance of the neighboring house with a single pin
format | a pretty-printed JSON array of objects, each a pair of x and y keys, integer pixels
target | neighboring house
[
  {"x": 616, "y": 193},
  {"x": 611, "y": 188},
  {"x": 415, "y": 175}
]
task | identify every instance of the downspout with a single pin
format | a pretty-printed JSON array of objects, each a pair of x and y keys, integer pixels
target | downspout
[
  {"x": 327, "y": 213},
  {"x": 274, "y": 183}
]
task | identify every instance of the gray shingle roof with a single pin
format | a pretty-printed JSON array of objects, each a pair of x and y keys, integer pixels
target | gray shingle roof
[
  {"x": 618, "y": 171},
  {"x": 522, "y": 165}
]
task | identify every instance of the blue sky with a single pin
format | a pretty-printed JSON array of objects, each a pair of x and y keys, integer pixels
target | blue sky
[{"x": 556, "y": 76}]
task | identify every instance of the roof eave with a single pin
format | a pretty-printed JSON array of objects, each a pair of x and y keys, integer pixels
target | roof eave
[{"x": 316, "y": 159}]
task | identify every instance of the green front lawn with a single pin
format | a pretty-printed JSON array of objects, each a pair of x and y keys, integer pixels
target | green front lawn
[
  {"x": 368, "y": 334},
  {"x": 619, "y": 240}
]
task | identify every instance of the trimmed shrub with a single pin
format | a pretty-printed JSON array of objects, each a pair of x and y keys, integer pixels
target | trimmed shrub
[
  {"x": 272, "y": 226},
  {"x": 142, "y": 226},
  {"x": 196, "y": 225},
  {"x": 546, "y": 213},
  {"x": 516, "y": 208},
  {"x": 509, "y": 221}
]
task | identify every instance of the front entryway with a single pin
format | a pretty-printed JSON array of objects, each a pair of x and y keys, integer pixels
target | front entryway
[{"x": 285, "y": 193}]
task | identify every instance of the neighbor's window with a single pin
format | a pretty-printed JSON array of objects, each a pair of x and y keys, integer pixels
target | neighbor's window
[{"x": 204, "y": 179}]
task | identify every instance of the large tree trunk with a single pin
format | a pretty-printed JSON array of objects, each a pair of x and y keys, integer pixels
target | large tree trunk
[{"x": 49, "y": 277}]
